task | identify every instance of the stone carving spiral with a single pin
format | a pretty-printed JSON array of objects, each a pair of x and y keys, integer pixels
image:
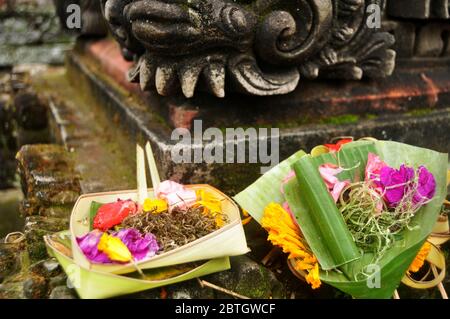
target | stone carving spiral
[{"x": 259, "y": 47}]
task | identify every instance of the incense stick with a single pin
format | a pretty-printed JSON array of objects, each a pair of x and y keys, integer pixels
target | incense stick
[
  {"x": 154, "y": 175},
  {"x": 396, "y": 295},
  {"x": 140, "y": 174},
  {"x": 204, "y": 283}
]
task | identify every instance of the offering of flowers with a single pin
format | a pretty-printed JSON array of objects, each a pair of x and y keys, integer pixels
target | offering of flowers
[
  {"x": 121, "y": 232},
  {"x": 353, "y": 214},
  {"x": 125, "y": 231}
]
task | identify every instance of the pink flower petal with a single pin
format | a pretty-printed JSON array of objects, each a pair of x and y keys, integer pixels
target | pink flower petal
[
  {"x": 337, "y": 189},
  {"x": 177, "y": 195},
  {"x": 286, "y": 180},
  {"x": 167, "y": 187},
  {"x": 373, "y": 167},
  {"x": 181, "y": 199},
  {"x": 328, "y": 173}
]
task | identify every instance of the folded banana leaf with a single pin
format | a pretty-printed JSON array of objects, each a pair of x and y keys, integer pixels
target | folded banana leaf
[
  {"x": 325, "y": 235},
  {"x": 266, "y": 189},
  {"x": 322, "y": 224},
  {"x": 92, "y": 284}
]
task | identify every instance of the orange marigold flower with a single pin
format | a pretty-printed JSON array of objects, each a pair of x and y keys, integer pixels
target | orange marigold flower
[
  {"x": 420, "y": 258},
  {"x": 283, "y": 232},
  {"x": 313, "y": 277}
]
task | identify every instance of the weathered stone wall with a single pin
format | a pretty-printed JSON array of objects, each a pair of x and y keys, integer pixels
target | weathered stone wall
[
  {"x": 30, "y": 33},
  {"x": 51, "y": 187}
]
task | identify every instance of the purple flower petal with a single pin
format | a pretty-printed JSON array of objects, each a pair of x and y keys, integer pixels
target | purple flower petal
[
  {"x": 426, "y": 187},
  {"x": 88, "y": 245},
  {"x": 140, "y": 246},
  {"x": 395, "y": 182}
]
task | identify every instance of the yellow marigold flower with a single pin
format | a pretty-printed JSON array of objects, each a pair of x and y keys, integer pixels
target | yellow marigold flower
[
  {"x": 313, "y": 277},
  {"x": 209, "y": 201},
  {"x": 219, "y": 221},
  {"x": 211, "y": 205},
  {"x": 420, "y": 258},
  {"x": 114, "y": 248},
  {"x": 283, "y": 232},
  {"x": 156, "y": 206}
]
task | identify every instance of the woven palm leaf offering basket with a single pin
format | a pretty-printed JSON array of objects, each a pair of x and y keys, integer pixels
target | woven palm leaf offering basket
[
  {"x": 356, "y": 215},
  {"x": 149, "y": 229}
]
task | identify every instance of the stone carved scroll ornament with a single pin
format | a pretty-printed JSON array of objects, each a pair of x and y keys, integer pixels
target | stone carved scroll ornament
[{"x": 258, "y": 47}]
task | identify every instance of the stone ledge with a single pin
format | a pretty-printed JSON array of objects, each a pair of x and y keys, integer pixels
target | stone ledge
[{"x": 312, "y": 102}]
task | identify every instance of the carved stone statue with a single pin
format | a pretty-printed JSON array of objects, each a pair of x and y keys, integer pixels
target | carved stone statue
[{"x": 259, "y": 47}]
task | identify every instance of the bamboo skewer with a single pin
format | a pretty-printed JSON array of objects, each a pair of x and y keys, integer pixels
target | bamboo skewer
[
  {"x": 396, "y": 295},
  {"x": 141, "y": 176},
  {"x": 154, "y": 175},
  {"x": 440, "y": 285},
  {"x": 204, "y": 283}
]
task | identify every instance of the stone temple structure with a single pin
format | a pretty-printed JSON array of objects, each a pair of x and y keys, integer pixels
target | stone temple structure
[{"x": 314, "y": 69}]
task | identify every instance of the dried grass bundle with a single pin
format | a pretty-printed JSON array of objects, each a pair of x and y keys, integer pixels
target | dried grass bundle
[{"x": 175, "y": 228}]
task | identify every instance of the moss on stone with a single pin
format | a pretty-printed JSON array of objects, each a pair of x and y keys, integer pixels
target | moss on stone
[
  {"x": 420, "y": 112},
  {"x": 341, "y": 119}
]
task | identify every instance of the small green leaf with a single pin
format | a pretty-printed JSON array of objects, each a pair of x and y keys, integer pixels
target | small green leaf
[{"x": 93, "y": 212}]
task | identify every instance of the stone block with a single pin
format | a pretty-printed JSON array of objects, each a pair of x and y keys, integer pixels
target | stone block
[
  {"x": 248, "y": 278},
  {"x": 35, "y": 228},
  {"x": 63, "y": 292},
  {"x": 35, "y": 287},
  {"x": 314, "y": 114},
  {"x": 9, "y": 261},
  {"x": 432, "y": 40},
  {"x": 46, "y": 268},
  {"x": 30, "y": 207},
  {"x": 30, "y": 111},
  {"x": 47, "y": 175},
  {"x": 13, "y": 290},
  {"x": 418, "y": 9},
  {"x": 189, "y": 290}
]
